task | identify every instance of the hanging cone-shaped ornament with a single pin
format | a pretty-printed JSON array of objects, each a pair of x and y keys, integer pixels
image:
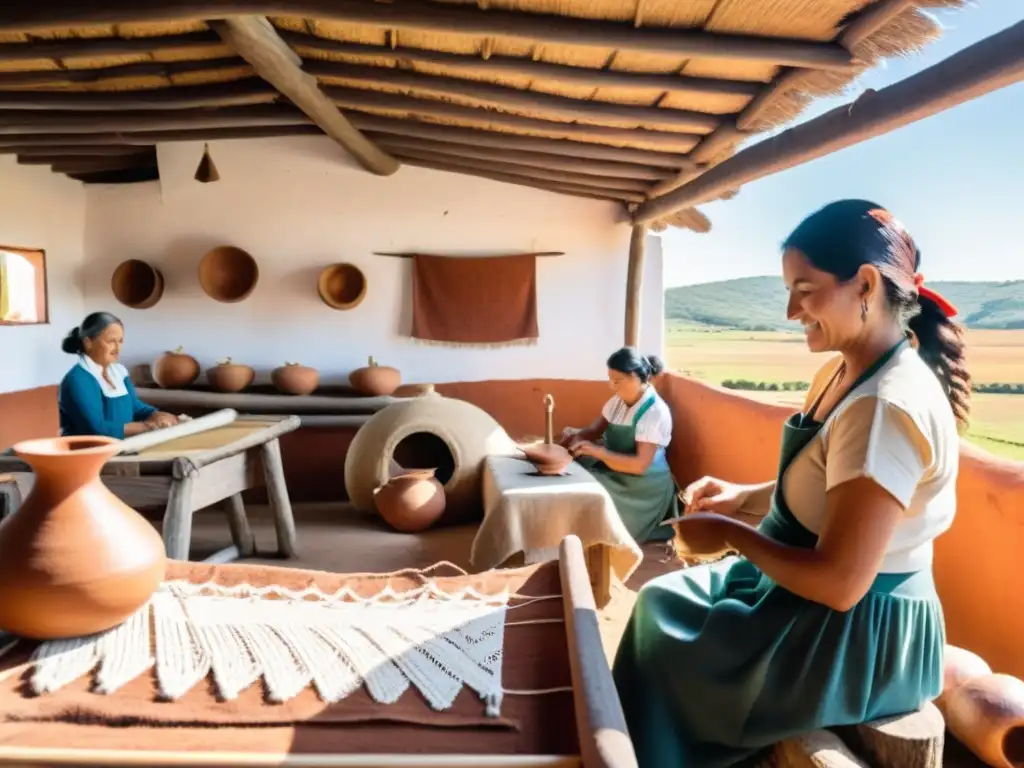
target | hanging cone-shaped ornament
[{"x": 207, "y": 171}]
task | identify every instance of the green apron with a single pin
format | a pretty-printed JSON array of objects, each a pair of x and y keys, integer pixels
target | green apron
[
  {"x": 642, "y": 501},
  {"x": 718, "y": 661}
]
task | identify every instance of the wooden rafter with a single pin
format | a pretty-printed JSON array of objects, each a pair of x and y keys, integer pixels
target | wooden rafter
[
  {"x": 573, "y": 190},
  {"x": 503, "y": 66},
  {"x": 169, "y": 70},
  {"x": 38, "y": 50},
  {"x": 28, "y": 15},
  {"x": 518, "y": 101},
  {"x": 19, "y": 122},
  {"x": 17, "y": 142},
  {"x": 612, "y": 185},
  {"x": 986, "y": 66},
  {"x": 255, "y": 40},
  {"x": 540, "y": 160},
  {"x": 374, "y": 102},
  {"x": 233, "y": 94}
]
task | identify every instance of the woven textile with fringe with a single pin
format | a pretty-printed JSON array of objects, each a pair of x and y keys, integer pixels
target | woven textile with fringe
[{"x": 475, "y": 301}]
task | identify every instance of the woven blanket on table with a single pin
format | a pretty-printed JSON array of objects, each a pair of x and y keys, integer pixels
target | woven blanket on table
[
  {"x": 475, "y": 301},
  {"x": 231, "y": 647}
]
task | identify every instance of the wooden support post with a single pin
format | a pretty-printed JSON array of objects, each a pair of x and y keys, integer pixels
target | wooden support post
[
  {"x": 634, "y": 284},
  {"x": 255, "y": 40},
  {"x": 277, "y": 495},
  {"x": 241, "y": 533}
]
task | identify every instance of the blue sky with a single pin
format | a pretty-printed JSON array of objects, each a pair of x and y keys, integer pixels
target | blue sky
[{"x": 956, "y": 180}]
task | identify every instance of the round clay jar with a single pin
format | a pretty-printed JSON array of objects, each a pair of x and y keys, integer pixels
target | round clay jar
[
  {"x": 411, "y": 501},
  {"x": 375, "y": 380},
  {"x": 173, "y": 370},
  {"x": 230, "y": 377},
  {"x": 295, "y": 379}
]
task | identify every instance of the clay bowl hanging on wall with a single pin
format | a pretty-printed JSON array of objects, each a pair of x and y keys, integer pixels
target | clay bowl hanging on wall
[
  {"x": 228, "y": 274},
  {"x": 173, "y": 370},
  {"x": 136, "y": 284},
  {"x": 74, "y": 559},
  {"x": 341, "y": 286},
  {"x": 295, "y": 379},
  {"x": 227, "y": 376}
]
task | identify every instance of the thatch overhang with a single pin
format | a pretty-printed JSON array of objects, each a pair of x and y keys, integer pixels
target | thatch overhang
[{"x": 622, "y": 100}]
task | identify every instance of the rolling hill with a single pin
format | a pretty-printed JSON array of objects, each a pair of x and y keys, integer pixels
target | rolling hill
[{"x": 759, "y": 303}]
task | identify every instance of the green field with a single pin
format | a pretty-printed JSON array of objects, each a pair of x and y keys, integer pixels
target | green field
[{"x": 716, "y": 355}]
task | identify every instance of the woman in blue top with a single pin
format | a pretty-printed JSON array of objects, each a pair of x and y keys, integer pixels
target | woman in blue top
[{"x": 96, "y": 396}]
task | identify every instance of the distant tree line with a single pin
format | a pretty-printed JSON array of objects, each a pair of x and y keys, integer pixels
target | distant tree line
[{"x": 999, "y": 389}]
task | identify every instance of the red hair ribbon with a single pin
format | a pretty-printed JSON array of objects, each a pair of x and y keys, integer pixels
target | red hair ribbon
[{"x": 943, "y": 303}]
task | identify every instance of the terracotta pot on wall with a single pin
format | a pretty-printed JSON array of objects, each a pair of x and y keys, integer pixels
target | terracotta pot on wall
[
  {"x": 375, "y": 380},
  {"x": 173, "y": 370},
  {"x": 411, "y": 501},
  {"x": 74, "y": 559},
  {"x": 227, "y": 376},
  {"x": 295, "y": 379}
]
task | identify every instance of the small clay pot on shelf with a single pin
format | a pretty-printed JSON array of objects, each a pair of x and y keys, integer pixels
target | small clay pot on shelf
[
  {"x": 341, "y": 286},
  {"x": 228, "y": 274},
  {"x": 136, "y": 284},
  {"x": 375, "y": 380},
  {"x": 174, "y": 370},
  {"x": 295, "y": 379},
  {"x": 411, "y": 501},
  {"x": 227, "y": 376}
]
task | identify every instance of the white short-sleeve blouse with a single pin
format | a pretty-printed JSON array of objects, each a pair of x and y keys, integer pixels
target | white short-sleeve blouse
[{"x": 655, "y": 426}]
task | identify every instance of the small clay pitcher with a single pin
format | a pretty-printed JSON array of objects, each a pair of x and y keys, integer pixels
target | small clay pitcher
[
  {"x": 173, "y": 370},
  {"x": 295, "y": 379},
  {"x": 74, "y": 559},
  {"x": 986, "y": 714},
  {"x": 375, "y": 380},
  {"x": 227, "y": 376},
  {"x": 411, "y": 501}
]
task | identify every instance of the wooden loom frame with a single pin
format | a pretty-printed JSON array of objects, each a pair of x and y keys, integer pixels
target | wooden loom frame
[{"x": 604, "y": 740}]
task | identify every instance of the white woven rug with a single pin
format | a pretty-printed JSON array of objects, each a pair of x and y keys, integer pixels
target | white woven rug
[{"x": 435, "y": 641}]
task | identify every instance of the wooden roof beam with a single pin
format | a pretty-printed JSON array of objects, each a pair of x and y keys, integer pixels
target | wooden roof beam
[
  {"x": 136, "y": 136},
  {"x": 986, "y": 66},
  {"x": 517, "y": 101},
  {"x": 255, "y": 40},
  {"x": 71, "y": 48},
  {"x": 498, "y": 66},
  {"x": 422, "y": 15},
  {"x": 237, "y": 93},
  {"x": 22, "y": 122},
  {"x": 167, "y": 69}
]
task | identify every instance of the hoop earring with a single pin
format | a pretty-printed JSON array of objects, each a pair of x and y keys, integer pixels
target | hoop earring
[{"x": 863, "y": 311}]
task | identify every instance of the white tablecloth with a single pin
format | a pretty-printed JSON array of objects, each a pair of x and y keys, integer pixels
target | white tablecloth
[{"x": 530, "y": 513}]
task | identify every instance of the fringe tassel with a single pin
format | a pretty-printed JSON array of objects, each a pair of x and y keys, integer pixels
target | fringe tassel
[{"x": 531, "y": 342}]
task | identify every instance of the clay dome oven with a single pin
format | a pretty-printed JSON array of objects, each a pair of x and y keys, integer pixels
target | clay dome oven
[{"x": 427, "y": 432}]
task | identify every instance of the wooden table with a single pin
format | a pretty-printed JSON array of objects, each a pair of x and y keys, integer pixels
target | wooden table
[
  {"x": 193, "y": 472},
  {"x": 529, "y": 513}
]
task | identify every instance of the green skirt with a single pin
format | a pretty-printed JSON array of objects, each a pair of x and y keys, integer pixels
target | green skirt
[
  {"x": 642, "y": 501},
  {"x": 718, "y": 662}
]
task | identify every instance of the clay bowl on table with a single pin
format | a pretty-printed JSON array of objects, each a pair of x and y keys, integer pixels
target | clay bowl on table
[{"x": 548, "y": 458}]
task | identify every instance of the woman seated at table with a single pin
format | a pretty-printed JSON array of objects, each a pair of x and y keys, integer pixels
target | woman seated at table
[
  {"x": 624, "y": 449},
  {"x": 829, "y": 615},
  {"x": 96, "y": 396}
]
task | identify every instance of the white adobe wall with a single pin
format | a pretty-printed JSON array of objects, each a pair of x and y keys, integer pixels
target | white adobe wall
[
  {"x": 298, "y": 204},
  {"x": 39, "y": 209}
]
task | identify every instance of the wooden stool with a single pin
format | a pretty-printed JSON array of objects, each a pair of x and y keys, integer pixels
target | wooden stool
[{"x": 914, "y": 740}]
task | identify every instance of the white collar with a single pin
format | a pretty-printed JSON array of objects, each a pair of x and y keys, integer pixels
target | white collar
[{"x": 116, "y": 372}]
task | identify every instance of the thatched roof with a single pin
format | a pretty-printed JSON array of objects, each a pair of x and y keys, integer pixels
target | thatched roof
[{"x": 615, "y": 99}]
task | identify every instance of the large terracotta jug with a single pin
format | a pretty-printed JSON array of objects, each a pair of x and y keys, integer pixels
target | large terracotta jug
[{"x": 74, "y": 559}]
